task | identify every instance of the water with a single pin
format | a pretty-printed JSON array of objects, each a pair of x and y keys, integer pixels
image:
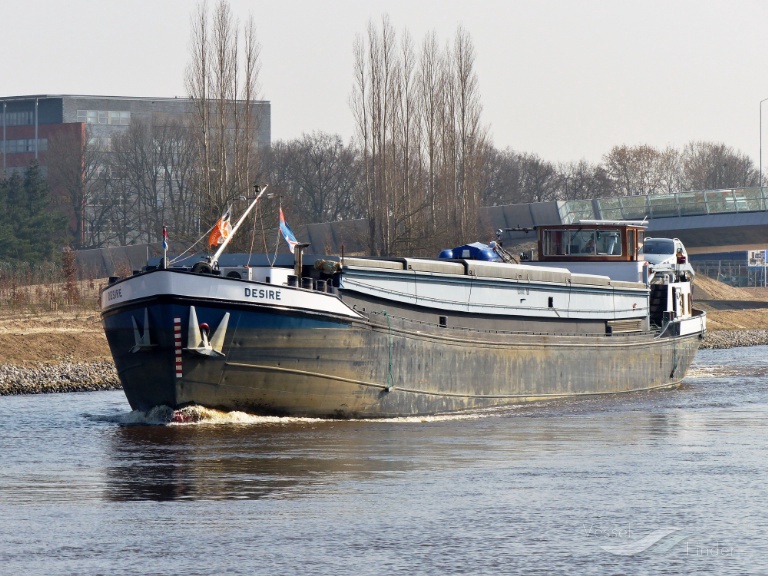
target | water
[{"x": 658, "y": 483}]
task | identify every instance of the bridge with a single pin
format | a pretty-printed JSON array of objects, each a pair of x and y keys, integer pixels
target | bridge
[{"x": 707, "y": 221}]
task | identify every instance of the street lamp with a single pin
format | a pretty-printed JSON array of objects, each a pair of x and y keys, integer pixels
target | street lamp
[
  {"x": 765, "y": 271},
  {"x": 761, "y": 145}
]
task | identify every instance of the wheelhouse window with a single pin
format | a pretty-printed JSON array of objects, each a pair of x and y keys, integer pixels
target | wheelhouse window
[
  {"x": 609, "y": 242},
  {"x": 554, "y": 242},
  {"x": 585, "y": 242},
  {"x": 582, "y": 242}
]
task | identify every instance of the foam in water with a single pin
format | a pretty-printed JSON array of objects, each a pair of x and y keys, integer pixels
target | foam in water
[
  {"x": 191, "y": 415},
  {"x": 717, "y": 371},
  {"x": 200, "y": 415}
]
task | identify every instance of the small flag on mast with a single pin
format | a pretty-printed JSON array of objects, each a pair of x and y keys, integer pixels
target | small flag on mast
[
  {"x": 165, "y": 248},
  {"x": 290, "y": 239},
  {"x": 221, "y": 230}
]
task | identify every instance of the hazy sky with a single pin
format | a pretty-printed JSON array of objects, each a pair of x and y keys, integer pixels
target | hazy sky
[{"x": 565, "y": 79}]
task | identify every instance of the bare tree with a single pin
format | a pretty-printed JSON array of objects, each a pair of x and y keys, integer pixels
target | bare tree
[
  {"x": 635, "y": 170},
  {"x": 222, "y": 80},
  {"x": 670, "y": 170},
  {"x": 407, "y": 200},
  {"x": 430, "y": 101},
  {"x": 197, "y": 82},
  {"x": 700, "y": 165},
  {"x": 708, "y": 165},
  {"x": 250, "y": 123},
  {"x": 422, "y": 145},
  {"x": 582, "y": 180},
  {"x": 318, "y": 176},
  {"x": 447, "y": 192},
  {"x": 385, "y": 64},
  {"x": 136, "y": 159},
  {"x": 538, "y": 179},
  {"x": 75, "y": 161},
  {"x": 361, "y": 109},
  {"x": 179, "y": 202},
  {"x": 470, "y": 136},
  {"x": 502, "y": 169},
  {"x": 372, "y": 104},
  {"x": 106, "y": 214}
]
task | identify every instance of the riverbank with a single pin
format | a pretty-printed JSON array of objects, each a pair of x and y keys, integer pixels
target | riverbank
[
  {"x": 67, "y": 352},
  {"x": 44, "y": 352},
  {"x": 60, "y": 377},
  {"x": 734, "y": 338}
]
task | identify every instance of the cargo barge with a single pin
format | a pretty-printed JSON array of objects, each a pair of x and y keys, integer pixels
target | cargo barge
[{"x": 391, "y": 337}]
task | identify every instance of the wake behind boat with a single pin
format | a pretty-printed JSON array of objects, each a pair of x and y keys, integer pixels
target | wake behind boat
[{"x": 389, "y": 337}]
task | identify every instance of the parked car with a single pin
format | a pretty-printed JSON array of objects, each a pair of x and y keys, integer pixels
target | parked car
[{"x": 667, "y": 255}]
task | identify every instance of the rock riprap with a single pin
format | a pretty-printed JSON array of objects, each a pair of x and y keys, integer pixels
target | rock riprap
[
  {"x": 59, "y": 377},
  {"x": 735, "y": 338}
]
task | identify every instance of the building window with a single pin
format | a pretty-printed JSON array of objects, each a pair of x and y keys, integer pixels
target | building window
[
  {"x": 23, "y": 145},
  {"x": 17, "y": 118},
  {"x": 101, "y": 144},
  {"x": 113, "y": 117},
  {"x": 120, "y": 118}
]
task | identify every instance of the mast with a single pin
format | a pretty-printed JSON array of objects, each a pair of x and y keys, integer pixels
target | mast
[{"x": 260, "y": 192}]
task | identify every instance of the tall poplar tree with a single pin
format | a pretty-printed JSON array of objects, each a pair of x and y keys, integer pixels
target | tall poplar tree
[{"x": 223, "y": 81}]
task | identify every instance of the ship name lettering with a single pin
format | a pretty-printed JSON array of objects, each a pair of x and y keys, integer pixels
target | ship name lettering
[
  {"x": 115, "y": 294},
  {"x": 262, "y": 294}
]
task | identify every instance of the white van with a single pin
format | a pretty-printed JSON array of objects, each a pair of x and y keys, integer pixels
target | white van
[{"x": 666, "y": 255}]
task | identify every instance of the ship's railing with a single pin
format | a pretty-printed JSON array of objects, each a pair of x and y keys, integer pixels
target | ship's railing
[{"x": 698, "y": 203}]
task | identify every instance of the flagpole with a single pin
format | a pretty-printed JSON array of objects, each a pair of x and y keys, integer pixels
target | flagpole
[
  {"x": 215, "y": 257},
  {"x": 165, "y": 247}
]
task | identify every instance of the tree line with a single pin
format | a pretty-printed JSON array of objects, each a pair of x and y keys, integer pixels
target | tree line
[
  {"x": 420, "y": 165},
  {"x": 30, "y": 229},
  {"x": 150, "y": 177}
]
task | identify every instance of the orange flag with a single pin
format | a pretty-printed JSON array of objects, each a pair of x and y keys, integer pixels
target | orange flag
[{"x": 221, "y": 230}]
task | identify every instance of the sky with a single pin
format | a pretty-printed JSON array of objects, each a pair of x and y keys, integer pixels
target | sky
[{"x": 564, "y": 79}]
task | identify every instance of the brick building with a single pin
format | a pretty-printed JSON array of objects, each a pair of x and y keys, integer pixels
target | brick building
[{"x": 28, "y": 124}]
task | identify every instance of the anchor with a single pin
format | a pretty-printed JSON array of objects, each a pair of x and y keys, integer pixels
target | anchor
[
  {"x": 141, "y": 340},
  {"x": 197, "y": 336}
]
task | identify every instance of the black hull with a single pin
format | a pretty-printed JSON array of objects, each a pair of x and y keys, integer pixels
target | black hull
[{"x": 299, "y": 363}]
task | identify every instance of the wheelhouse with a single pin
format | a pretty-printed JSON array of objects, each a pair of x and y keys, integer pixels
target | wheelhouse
[{"x": 591, "y": 242}]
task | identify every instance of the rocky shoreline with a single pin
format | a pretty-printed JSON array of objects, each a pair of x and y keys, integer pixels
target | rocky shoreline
[
  {"x": 70, "y": 376},
  {"x": 61, "y": 377},
  {"x": 734, "y": 338}
]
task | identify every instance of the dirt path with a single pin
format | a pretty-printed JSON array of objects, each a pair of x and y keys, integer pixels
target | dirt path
[
  {"x": 30, "y": 338},
  {"x": 730, "y": 308}
]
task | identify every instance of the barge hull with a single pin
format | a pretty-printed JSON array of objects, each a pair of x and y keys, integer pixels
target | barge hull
[{"x": 288, "y": 362}]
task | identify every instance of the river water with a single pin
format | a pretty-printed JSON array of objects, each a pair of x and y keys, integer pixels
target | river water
[{"x": 660, "y": 483}]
